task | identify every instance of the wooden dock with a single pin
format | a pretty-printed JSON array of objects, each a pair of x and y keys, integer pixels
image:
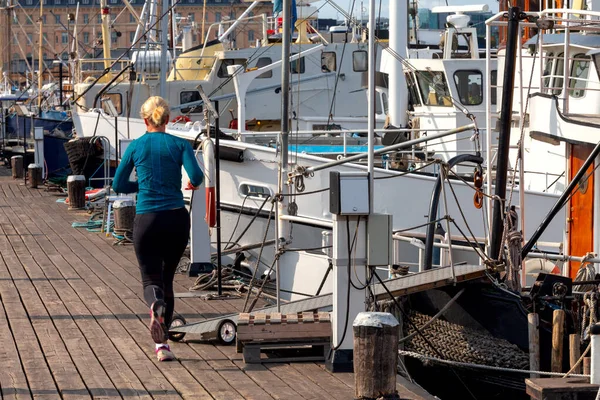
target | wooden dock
[{"x": 73, "y": 323}]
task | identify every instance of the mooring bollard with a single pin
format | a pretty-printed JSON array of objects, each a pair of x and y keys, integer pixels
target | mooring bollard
[
  {"x": 558, "y": 335},
  {"x": 35, "y": 175},
  {"x": 16, "y": 164},
  {"x": 76, "y": 192},
  {"x": 534, "y": 343},
  {"x": 595, "y": 368},
  {"x": 375, "y": 355}
]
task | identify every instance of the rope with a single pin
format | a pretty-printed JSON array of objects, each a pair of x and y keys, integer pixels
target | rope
[
  {"x": 590, "y": 314},
  {"x": 458, "y": 343},
  {"x": 513, "y": 237},
  {"x": 488, "y": 367},
  {"x": 586, "y": 272},
  {"x": 574, "y": 367},
  {"x": 436, "y": 316}
]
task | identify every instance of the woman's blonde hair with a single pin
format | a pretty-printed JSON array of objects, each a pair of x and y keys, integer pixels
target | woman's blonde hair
[{"x": 156, "y": 111}]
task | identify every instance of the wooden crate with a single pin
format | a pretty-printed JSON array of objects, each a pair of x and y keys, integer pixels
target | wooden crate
[{"x": 260, "y": 331}]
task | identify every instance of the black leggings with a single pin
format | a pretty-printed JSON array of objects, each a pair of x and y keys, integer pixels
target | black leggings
[{"x": 159, "y": 240}]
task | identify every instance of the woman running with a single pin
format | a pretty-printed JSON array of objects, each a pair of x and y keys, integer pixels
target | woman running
[{"x": 162, "y": 223}]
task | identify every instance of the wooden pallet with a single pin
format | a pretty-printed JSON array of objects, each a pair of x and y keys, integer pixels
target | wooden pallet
[{"x": 295, "y": 332}]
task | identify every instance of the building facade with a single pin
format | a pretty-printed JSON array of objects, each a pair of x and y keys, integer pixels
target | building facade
[{"x": 19, "y": 35}]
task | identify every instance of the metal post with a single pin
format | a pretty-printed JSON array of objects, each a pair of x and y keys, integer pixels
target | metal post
[
  {"x": 285, "y": 130},
  {"x": 218, "y": 200},
  {"x": 60, "y": 85},
  {"x": 371, "y": 102},
  {"x": 508, "y": 83}
]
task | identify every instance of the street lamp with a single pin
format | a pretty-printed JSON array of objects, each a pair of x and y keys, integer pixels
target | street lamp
[{"x": 60, "y": 79}]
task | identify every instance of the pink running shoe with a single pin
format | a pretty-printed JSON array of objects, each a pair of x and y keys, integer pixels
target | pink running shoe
[
  {"x": 164, "y": 353},
  {"x": 158, "y": 329}
]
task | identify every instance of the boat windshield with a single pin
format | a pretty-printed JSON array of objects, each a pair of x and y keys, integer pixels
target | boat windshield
[{"x": 433, "y": 88}]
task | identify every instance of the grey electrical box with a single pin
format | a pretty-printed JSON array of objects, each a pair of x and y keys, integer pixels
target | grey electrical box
[
  {"x": 349, "y": 193},
  {"x": 379, "y": 240}
]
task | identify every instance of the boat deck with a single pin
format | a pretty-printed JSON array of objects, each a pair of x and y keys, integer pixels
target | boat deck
[{"x": 73, "y": 323}]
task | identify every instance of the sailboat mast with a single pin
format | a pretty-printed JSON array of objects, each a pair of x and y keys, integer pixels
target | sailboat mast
[
  {"x": 40, "y": 59},
  {"x": 106, "y": 39},
  {"x": 164, "y": 29}
]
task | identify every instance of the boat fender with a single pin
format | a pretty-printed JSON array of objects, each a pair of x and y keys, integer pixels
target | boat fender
[
  {"x": 208, "y": 154},
  {"x": 537, "y": 265}
]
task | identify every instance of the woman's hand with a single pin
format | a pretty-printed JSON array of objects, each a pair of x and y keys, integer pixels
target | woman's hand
[{"x": 190, "y": 187}]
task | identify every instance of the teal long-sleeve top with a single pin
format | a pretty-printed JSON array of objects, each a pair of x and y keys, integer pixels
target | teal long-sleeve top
[{"x": 157, "y": 158}]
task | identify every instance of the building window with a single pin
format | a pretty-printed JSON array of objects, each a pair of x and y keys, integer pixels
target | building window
[
  {"x": 30, "y": 39},
  {"x": 217, "y": 16},
  {"x": 29, "y": 2},
  {"x": 44, "y": 18},
  {"x": 251, "y": 14},
  {"x": 328, "y": 61},
  {"x": 57, "y": 2},
  {"x": 99, "y": 19},
  {"x": 64, "y": 38},
  {"x": 28, "y": 20},
  {"x": 360, "y": 61},
  {"x": 263, "y": 62},
  {"x": 86, "y": 37},
  {"x": 131, "y": 18},
  {"x": 297, "y": 66},
  {"x": 114, "y": 37},
  {"x": 86, "y": 18},
  {"x": 131, "y": 36},
  {"x": 57, "y": 19},
  {"x": 45, "y": 40},
  {"x": 86, "y": 1},
  {"x": 469, "y": 86},
  {"x": 232, "y": 15},
  {"x": 71, "y": 1},
  {"x": 251, "y": 36},
  {"x": 15, "y": 18},
  {"x": 189, "y": 96}
]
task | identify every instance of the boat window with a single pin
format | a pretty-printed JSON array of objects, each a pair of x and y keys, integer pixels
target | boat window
[
  {"x": 116, "y": 99},
  {"x": 557, "y": 84},
  {"x": 469, "y": 86},
  {"x": 222, "y": 73},
  {"x": 548, "y": 71},
  {"x": 297, "y": 66},
  {"x": 189, "y": 96},
  {"x": 494, "y": 83},
  {"x": 596, "y": 58},
  {"x": 360, "y": 61},
  {"x": 263, "y": 62},
  {"x": 252, "y": 190},
  {"x": 434, "y": 89},
  {"x": 413, "y": 92},
  {"x": 384, "y": 100},
  {"x": 328, "y": 61},
  {"x": 579, "y": 73}
]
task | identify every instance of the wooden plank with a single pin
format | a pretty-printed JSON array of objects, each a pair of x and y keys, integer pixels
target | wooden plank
[{"x": 283, "y": 331}]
